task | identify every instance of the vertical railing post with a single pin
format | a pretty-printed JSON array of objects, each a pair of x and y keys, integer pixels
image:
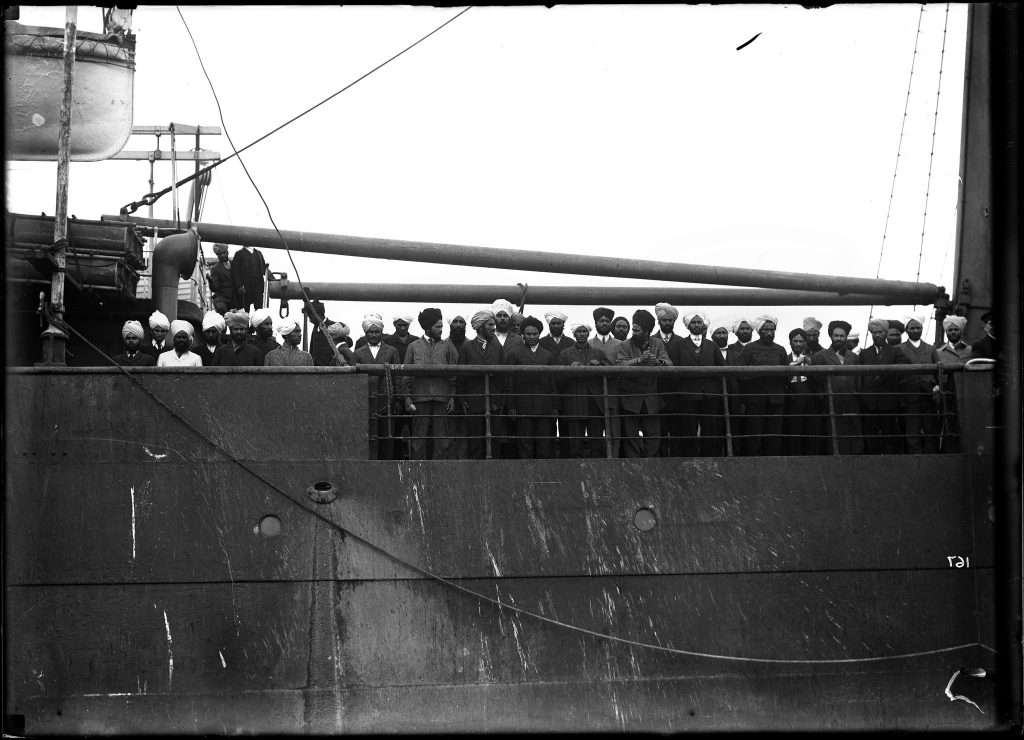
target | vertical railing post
[
  {"x": 487, "y": 414},
  {"x": 832, "y": 415},
  {"x": 607, "y": 418},
  {"x": 728, "y": 420},
  {"x": 944, "y": 430}
]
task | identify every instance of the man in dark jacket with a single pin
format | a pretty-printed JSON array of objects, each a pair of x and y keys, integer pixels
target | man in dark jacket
[
  {"x": 988, "y": 345},
  {"x": 375, "y": 352},
  {"x": 880, "y": 394},
  {"x": 802, "y": 426},
  {"x": 157, "y": 342},
  {"x": 239, "y": 351},
  {"x": 456, "y": 332},
  {"x": 673, "y": 428},
  {"x": 767, "y": 393},
  {"x": 639, "y": 401},
  {"x": 700, "y": 397},
  {"x": 744, "y": 332},
  {"x": 262, "y": 322},
  {"x": 248, "y": 269},
  {"x": 212, "y": 337},
  {"x": 131, "y": 335},
  {"x": 532, "y": 399},
  {"x": 430, "y": 399},
  {"x": 583, "y": 402},
  {"x": 476, "y": 399},
  {"x": 221, "y": 283}
]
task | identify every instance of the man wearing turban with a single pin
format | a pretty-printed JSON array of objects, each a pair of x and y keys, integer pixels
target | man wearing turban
[
  {"x": 503, "y": 311},
  {"x": 212, "y": 338},
  {"x": 430, "y": 399},
  {"x": 181, "y": 355},
  {"x": 582, "y": 404},
  {"x": 853, "y": 342},
  {"x": 620, "y": 328},
  {"x": 131, "y": 335},
  {"x": 844, "y": 390},
  {"x": 954, "y": 353},
  {"x": 698, "y": 426},
  {"x": 603, "y": 338},
  {"x": 720, "y": 338},
  {"x": 337, "y": 333},
  {"x": 238, "y": 352},
  {"x": 221, "y": 285},
  {"x": 371, "y": 350},
  {"x": 639, "y": 401},
  {"x": 894, "y": 334},
  {"x": 606, "y": 341},
  {"x": 921, "y": 423},
  {"x": 262, "y": 321},
  {"x": 248, "y": 269},
  {"x": 158, "y": 341},
  {"x": 457, "y": 331},
  {"x": 671, "y": 422},
  {"x": 532, "y": 400},
  {"x": 401, "y": 339},
  {"x": 879, "y": 394},
  {"x": 801, "y": 426},
  {"x": 812, "y": 327},
  {"x": 289, "y": 354},
  {"x": 556, "y": 341},
  {"x": 744, "y": 331},
  {"x": 475, "y": 396},
  {"x": 765, "y": 394}
]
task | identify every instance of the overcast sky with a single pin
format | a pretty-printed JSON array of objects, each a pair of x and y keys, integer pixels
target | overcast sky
[{"x": 606, "y": 130}]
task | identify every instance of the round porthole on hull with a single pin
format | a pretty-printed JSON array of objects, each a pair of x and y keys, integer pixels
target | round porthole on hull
[{"x": 644, "y": 519}]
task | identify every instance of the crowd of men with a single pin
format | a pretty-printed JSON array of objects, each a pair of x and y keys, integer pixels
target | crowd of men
[{"x": 527, "y": 415}]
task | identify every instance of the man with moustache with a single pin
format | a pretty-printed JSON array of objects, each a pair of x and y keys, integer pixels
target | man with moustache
[
  {"x": 879, "y": 394},
  {"x": 555, "y": 342},
  {"x": 720, "y": 338},
  {"x": 158, "y": 327},
  {"x": 583, "y": 397},
  {"x": 767, "y": 393},
  {"x": 430, "y": 399},
  {"x": 337, "y": 336},
  {"x": 375, "y": 352},
  {"x": 181, "y": 355},
  {"x": 845, "y": 401},
  {"x": 812, "y": 328},
  {"x": 262, "y": 321},
  {"x": 620, "y": 328},
  {"x": 503, "y": 426},
  {"x": 894, "y": 336},
  {"x": 456, "y": 332},
  {"x": 533, "y": 400},
  {"x": 639, "y": 401},
  {"x": 213, "y": 336},
  {"x": 744, "y": 332},
  {"x": 479, "y": 404},
  {"x": 853, "y": 342},
  {"x": 954, "y": 353},
  {"x": 921, "y": 422},
  {"x": 288, "y": 354},
  {"x": 801, "y": 426},
  {"x": 133, "y": 356},
  {"x": 988, "y": 345},
  {"x": 401, "y": 339},
  {"x": 605, "y": 341},
  {"x": 239, "y": 352},
  {"x": 221, "y": 284},
  {"x": 672, "y": 423},
  {"x": 700, "y": 397},
  {"x": 503, "y": 334}
]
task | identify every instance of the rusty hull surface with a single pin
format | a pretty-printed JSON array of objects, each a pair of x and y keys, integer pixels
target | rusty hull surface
[{"x": 141, "y": 595}]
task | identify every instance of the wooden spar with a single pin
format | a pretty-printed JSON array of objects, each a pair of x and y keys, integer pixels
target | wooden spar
[
  {"x": 53, "y": 337},
  {"x": 571, "y": 295},
  {"x": 534, "y": 261}
]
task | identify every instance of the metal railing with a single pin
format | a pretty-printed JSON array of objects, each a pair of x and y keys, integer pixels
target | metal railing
[{"x": 833, "y": 412}]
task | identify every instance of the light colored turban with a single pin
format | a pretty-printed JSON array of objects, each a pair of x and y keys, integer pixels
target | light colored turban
[
  {"x": 739, "y": 322},
  {"x": 878, "y": 324},
  {"x": 958, "y": 321},
  {"x": 212, "y": 319},
  {"x": 185, "y": 326},
  {"x": 688, "y": 317},
  {"x": 220, "y": 249},
  {"x": 811, "y": 323},
  {"x": 457, "y": 316},
  {"x": 406, "y": 317},
  {"x": 287, "y": 326},
  {"x": 666, "y": 310},
  {"x": 853, "y": 335},
  {"x": 480, "y": 318},
  {"x": 338, "y": 330},
  {"x": 371, "y": 319},
  {"x": 555, "y": 315},
  {"x": 236, "y": 318},
  {"x": 720, "y": 326},
  {"x": 577, "y": 324},
  {"x": 919, "y": 318},
  {"x": 259, "y": 316},
  {"x": 158, "y": 321},
  {"x": 132, "y": 328},
  {"x": 502, "y": 306},
  {"x": 764, "y": 319}
]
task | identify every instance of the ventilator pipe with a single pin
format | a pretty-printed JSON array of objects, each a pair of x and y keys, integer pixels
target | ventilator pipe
[
  {"x": 173, "y": 257},
  {"x": 534, "y": 261},
  {"x": 573, "y": 295}
]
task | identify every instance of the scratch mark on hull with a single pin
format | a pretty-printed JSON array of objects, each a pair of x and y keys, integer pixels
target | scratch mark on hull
[
  {"x": 170, "y": 652},
  {"x": 133, "y": 522}
]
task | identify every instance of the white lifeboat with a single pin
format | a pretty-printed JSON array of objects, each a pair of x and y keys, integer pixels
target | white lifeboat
[{"x": 103, "y": 92}]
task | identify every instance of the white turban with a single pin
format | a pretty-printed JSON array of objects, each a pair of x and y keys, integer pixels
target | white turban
[
  {"x": 666, "y": 310},
  {"x": 577, "y": 324},
  {"x": 878, "y": 324},
  {"x": 480, "y": 318},
  {"x": 132, "y": 328},
  {"x": 287, "y": 326},
  {"x": 811, "y": 323},
  {"x": 718, "y": 324},
  {"x": 185, "y": 326},
  {"x": 919, "y": 318},
  {"x": 688, "y": 317},
  {"x": 458, "y": 316},
  {"x": 259, "y": 316},
  {"x": 337, "y": 330},
  {"x": 406, "y": 317},
  {"x": 212, "y": 319},
  {"x": 158, "y": 321},
  {"x": 555, "y": 315},
  {"x": 372, "y": 319},
  {"x": 738, "y": 322},
  {"x": 502, "y": 306},
  {"x": 764, "y": 319},
  {"x": 853, "y": 335},
  {"x": 958, "y": 321}
]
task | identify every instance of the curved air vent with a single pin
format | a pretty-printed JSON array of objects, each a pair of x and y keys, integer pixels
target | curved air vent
[{"x": 173, "y": 257}]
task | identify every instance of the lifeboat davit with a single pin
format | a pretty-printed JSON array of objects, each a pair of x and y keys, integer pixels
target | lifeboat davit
[{"x": 103, "y": 92}]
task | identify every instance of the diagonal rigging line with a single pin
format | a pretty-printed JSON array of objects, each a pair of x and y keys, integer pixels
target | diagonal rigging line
[
  {"x": 153, "y": 197},
  {"x": 498, "y": 602}
]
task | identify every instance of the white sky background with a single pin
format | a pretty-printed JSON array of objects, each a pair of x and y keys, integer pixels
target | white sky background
[{"x": 605, "y": 130}]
